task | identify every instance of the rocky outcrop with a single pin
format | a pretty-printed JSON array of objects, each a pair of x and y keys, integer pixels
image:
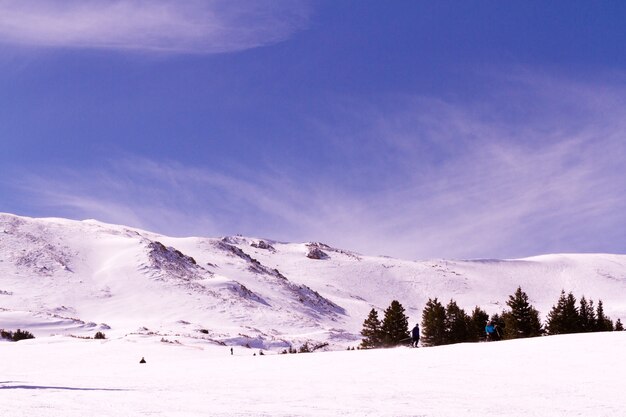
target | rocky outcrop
[
  {"x": 167, "y": 263},
  {"x": 172, "y": 262},
  {"x": 316, "y": 252},
  {"x": 263, "y": 245},
  {"x": 253, "y": 264},
  {"x": 303, "y": 294}
]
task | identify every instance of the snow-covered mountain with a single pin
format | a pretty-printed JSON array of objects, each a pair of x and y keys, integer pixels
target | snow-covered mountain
[{"x": 62, "y": 276}]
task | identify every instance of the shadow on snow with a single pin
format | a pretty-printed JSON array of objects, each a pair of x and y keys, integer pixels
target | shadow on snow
[{"x": 59, "y": 388}]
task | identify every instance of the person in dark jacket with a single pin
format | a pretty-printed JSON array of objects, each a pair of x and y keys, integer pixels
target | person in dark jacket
[{"x": 415, "y": 335}]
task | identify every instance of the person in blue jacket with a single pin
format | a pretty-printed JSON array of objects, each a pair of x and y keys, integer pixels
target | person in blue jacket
[
  {"x": 489, "y": 331},
  {"x": 415, "y": 335},
  {"x": 492, "y": 332}
]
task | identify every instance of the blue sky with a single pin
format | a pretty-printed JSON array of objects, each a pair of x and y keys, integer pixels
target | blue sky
[{"x": 416, "y": 129}]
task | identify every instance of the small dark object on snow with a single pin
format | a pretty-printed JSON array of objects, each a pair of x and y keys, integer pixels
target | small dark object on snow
[
  {"x": 142, "y": 360},
  {"x": 231, "y": 351}
]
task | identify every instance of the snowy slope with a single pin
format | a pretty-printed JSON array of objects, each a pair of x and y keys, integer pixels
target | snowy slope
[
  {"x": 556, "y": 376},
  {"x": 67, "y": 277}
]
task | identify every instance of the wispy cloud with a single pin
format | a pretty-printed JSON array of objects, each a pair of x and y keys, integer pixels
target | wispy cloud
[
  {"x": 537, "y": 169},
  {"x": 191, "y": 26},
  {"x": 420, "y": 178}
]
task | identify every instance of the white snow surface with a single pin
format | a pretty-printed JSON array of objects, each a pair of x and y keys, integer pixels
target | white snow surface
[
  {"x": 555, "y": 376},
  {"x": 183, "y": 303},
  {"x": 65, "y": 277}
]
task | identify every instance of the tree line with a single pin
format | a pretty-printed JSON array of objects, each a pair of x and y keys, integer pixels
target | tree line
[
  {"x": 442, "y": 325},
  {"x": 393, "y": 330},
  {"x": 16, "y": 336}
]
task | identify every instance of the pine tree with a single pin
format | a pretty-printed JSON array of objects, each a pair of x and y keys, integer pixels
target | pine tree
[
  {"x": 372, "y": 336},
  {"x": 593, "y": 321},
  {"x": 571, "y": 315},
  {"x": 600, "y": 317},
  {"x": 554, "y": 320},
  {"x": 564, "y": 317},
  {"x": 603, "y": 323},
  {"x": 433, "y": 323},
  {"x": 395, "y": 326},
  {"x": 22, "y": 335},
  {"x": 478, "y": 322},
  {"x": 456, "y": 324},
  {"x": 619, "y": 327},
  {"x": 587, "y": 315},
  {"x": 523, "y": 319}
]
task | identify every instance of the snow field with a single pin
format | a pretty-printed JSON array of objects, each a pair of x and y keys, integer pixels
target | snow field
[
  {"x": 553, "y": 376},
  {"x": 60, "y": 278}
]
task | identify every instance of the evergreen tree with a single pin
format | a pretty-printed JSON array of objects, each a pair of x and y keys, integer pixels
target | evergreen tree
[
  {"x": 600, "y": 317},
  {"x": 523, "y": 319},
  {"x": 22, "y": 335},
  {"x": 593, "y": 321},
  {"x": 619, "y": 327},
  {"x": 372, "y": 334},
  {"x": 395, "y": 326},
  {"x": 603, "y": 323},
  {"x": 564, "y": 317},
  {"x": 433, "y": 323},
  {"x": 456, "y": 324},
  {"x": 554, "y": 323},
  {"x": 571, "y": 315},
  {"x": 587, "y": 315},
  {"x": 478, "y": 322}
]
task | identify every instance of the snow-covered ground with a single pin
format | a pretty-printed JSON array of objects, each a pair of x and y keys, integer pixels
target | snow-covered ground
[
  {"x": 182, "y": 303},
  {"x": 64, "y": 277},
  {"x": 571, "y": 375}
]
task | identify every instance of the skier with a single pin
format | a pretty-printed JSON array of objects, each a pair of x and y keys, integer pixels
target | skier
[
  {"x": 231, "y": 351},
  {"x": 489, "y": 329},
  {"x": 142, "y": 360},
  {"x": 492, "y": 332},
  {"x": 415, "y": 335}
]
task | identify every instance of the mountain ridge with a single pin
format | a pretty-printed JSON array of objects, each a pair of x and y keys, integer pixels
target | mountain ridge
[{"x": 72, "y": 277}]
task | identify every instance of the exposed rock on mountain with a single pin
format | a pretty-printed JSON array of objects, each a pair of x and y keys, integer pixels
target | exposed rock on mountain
[{"x": 60, "y": 276}]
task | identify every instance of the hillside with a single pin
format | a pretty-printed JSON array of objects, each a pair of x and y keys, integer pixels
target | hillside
[{"x": 61, "y": 276}]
